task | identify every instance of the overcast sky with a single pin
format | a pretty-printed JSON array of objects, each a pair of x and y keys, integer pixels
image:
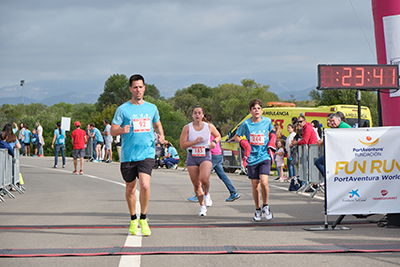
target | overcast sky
[{"x": 280, "y": 40}]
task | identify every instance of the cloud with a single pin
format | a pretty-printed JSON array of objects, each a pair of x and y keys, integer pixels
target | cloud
[{"x": 57, "y": 40}]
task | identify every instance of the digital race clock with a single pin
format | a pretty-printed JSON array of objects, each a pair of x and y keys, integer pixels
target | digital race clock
[{"x": 364, "y": 77}]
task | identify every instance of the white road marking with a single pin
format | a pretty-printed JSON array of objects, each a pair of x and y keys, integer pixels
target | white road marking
[{"x": 131, "y": 240}]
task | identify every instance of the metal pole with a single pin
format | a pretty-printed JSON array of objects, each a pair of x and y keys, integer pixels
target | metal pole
[
  {"x": 22, "y": 85},
  {"x": 359, "y": 107}
]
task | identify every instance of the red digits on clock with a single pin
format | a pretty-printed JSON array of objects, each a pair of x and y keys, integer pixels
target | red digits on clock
[
  {"x": 348, "y": 76},
  {"x": 361, "y": 76},
  {"x": 380, "y": 76}
]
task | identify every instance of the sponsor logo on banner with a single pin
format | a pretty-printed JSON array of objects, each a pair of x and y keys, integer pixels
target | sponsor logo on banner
[
  {"x": 384, "y": 196},
  {"x": 369, "y": 141},
  {"x": 354, "y": 196}
]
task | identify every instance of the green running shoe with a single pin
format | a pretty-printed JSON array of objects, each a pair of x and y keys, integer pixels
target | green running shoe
[
  {"x": 144, "y": 226},
  {"x": 133, "y": 229}
]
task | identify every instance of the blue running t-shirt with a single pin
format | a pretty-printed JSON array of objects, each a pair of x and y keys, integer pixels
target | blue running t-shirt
[
  {"x": 138, "y": 144},
  {"x": 97, "y": 134},
  {"x": 258, "y": 136}
]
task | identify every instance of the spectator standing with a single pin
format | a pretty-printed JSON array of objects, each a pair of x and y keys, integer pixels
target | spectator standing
[
  {"x": 35, "y": 142},
  {"x": 79, "y": 139},
  {"x": 291, "y": 167},
  {"x": 27, "y": 141},
  {"x": 258, "y": 131},
  {"x": 108, "y": 139},
  {"x": 99, "y": 141},
  {"x": 21, "y": 137},
  {"x": 39, "y": 130},
  {"x": 59, "y": 141},
  {"x": 279, "y": 160}
]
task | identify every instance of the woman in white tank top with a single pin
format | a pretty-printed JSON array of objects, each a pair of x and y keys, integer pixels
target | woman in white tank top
[{"x": 195, "y": 137}]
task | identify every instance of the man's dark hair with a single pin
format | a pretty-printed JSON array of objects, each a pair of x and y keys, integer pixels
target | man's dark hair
[
  {"x": 106, "y": 121},
  {"x": 255, "y": 102},
  {"x": 92, "y": 124},
  {"x": 135, "y": 77}
]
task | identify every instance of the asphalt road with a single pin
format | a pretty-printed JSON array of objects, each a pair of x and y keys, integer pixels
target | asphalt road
[{"x": 88, "y": 212}]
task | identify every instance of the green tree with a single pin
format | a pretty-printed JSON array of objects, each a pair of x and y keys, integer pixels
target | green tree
[
  {"x": 151, "y": 90},
  {"x": 116, "y": 91}
]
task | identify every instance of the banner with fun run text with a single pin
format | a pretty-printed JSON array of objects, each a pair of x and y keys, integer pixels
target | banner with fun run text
[{"x": 362, "y": 170}]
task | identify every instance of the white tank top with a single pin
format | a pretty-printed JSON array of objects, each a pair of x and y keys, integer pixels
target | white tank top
[{"x": 204, "y": 133}]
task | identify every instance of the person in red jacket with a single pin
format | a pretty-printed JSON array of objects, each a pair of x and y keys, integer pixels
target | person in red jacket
[{"x": 309, "y": 136}]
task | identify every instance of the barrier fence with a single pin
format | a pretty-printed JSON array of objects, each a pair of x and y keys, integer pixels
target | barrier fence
[
  {"x": 232, "y": 159},
  {"x": 9, "y": 174},
  {"x": 308, "y": 173}
]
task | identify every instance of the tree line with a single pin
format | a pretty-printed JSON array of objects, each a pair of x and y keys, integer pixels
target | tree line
[{"x": 227, "y": 103}]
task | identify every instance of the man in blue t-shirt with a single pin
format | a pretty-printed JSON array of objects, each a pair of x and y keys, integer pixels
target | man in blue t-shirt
[
  {"x": 95, "y": 133},
  {"x": 257, "y": 131},
  {"x": 27, "y": 140},
  {"x": 136, "y": 121}
]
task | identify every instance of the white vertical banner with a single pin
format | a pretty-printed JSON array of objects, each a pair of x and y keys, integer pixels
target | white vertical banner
[
  {"x": 65, "y": 123},
  {"x": 362, "y": 170},
  {"x": 391, "y": 26}
]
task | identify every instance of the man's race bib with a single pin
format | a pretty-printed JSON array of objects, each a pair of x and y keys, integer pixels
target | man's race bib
[
  {"x": 257, "y": 139},
  {"x": 199, "y": 151},
  {"x": 141, "y": 125}
]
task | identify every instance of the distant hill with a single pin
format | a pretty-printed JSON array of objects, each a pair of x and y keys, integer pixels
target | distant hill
[
  {"x": 296, "y": 95},
  {"x": 71, "y": 98}
]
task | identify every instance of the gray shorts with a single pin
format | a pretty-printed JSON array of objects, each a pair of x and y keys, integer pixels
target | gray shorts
[
  {"x": 108, "y": 145},
  {"x": 196, "y": 161},
  {"x": 80, "y": 152}
]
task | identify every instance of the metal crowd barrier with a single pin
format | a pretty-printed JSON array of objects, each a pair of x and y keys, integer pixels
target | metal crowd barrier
[
  {"x": 89, "y": 149},
  {"x": 232, "y": 160},
  {"x": 308, "y": 173},
  {"x": 9, "y": 174}
]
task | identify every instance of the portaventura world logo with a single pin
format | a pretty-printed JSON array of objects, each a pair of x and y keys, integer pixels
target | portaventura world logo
[
  {"x": 368, "y": 151},
  {"x": 369, "y": 141}
]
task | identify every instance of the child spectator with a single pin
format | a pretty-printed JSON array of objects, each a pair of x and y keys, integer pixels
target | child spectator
[
  {"x": 279, "y": 161},
  {"x": 35, "y": 141},
  {"x": 27, "y": 141}
]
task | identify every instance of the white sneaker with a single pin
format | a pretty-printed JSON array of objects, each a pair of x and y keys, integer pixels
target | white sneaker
[
  {"x": 257, "y": 216},
  {"x": 203, "y": 211},
  {"x": 207, "y": 200},
  {"x": 268, "y": 214}
]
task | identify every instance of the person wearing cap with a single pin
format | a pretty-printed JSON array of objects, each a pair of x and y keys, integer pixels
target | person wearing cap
[{"x": 79, "y": 139}]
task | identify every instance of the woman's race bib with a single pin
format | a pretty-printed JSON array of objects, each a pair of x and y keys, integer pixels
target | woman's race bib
[{"x": 199, "y": 151}]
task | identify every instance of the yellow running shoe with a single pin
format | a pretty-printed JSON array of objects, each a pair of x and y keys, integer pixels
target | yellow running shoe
[
  {"x": 144, "y": 226},
  {"x": 133, "y": 229}
]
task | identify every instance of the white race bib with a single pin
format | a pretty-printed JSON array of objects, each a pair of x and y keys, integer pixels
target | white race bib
[
  {"x": 141, "y": 125},
  {"x": 257, "y": 139},
  {"x": 199, "y": 151}
]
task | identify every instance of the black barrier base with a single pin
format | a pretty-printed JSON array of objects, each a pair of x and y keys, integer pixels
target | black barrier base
[{"x": 326, "y": 228}]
